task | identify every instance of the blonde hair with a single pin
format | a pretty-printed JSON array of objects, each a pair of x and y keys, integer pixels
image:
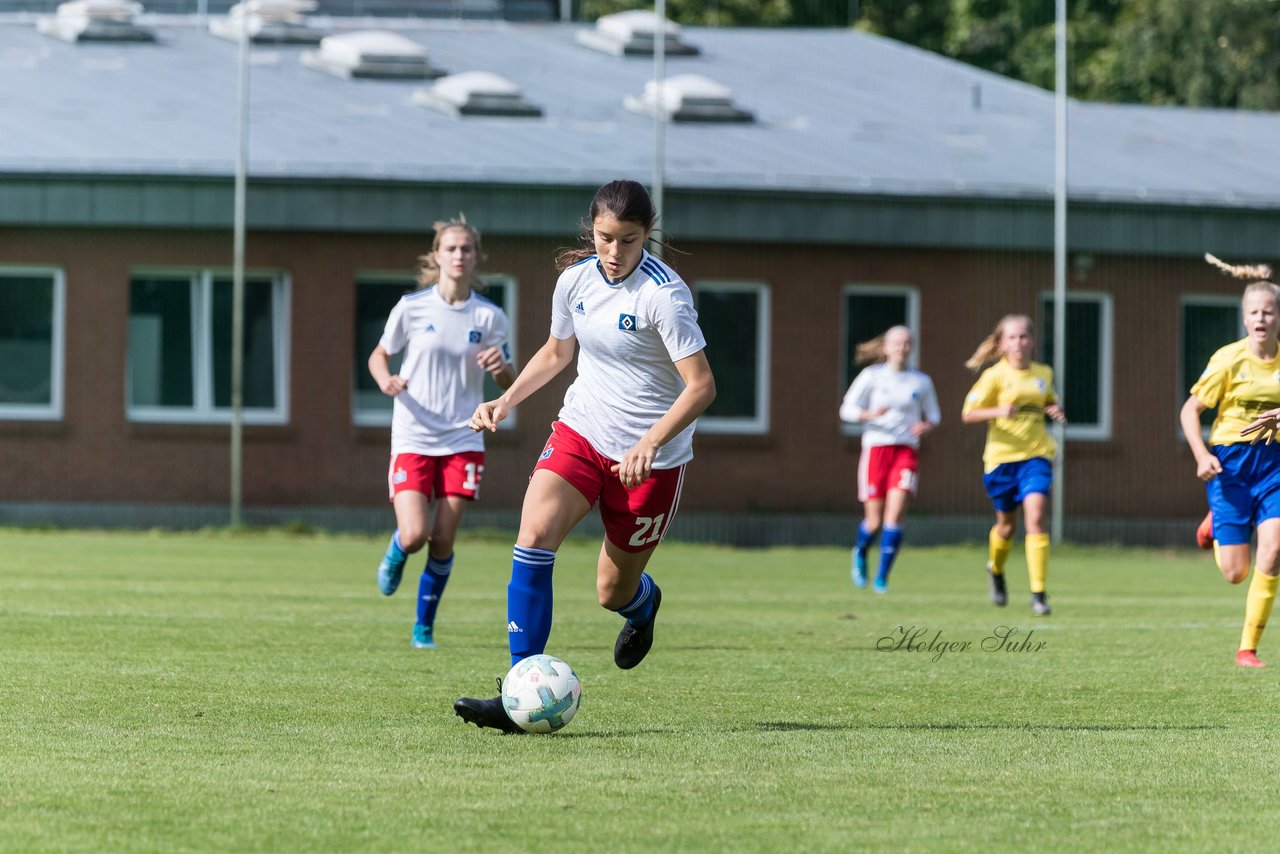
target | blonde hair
[
  {"x": 1257, "y": 272},
  {"x": 872, "y": 352},
  {"x": 989, "y": 350},
  {"x": 428, "y": 269}
]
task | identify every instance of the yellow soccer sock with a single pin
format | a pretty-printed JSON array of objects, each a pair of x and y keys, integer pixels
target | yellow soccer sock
[
  {"x": 1262, "y": 593},
  {"x": 1037, "y": 560},
  {"x": 998, "y": 549}
]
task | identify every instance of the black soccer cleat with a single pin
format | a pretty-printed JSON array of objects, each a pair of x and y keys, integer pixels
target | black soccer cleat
[
  {"x": 996, "y": 587},
  {"x": 1040, "y": 605},
  {"x": 486, "y": 713},
  {"x": 634, "y": 641}
]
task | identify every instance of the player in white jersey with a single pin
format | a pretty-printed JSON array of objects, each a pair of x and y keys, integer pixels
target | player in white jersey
[
  {"x": 897, "y": 405},
  {"x": 450, "y": 336},
  {"x": 622, "y": 438}
]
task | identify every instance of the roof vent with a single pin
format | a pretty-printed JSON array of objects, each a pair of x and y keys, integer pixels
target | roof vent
[
  {"x": 269, "y": 21},
  {"x": 371, "y": 53},
  {"x": 688, "y": 98},
  {"x": 96, "y": 21},
  {"x": 476, "y": 93},
  {"x": 635, "y": 34}
]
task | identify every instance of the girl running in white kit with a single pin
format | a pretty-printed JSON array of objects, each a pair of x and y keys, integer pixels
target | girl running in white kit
[
  {"x": 450, "y": 336},
  {"x": 897, "y": 405},
  {"x": 623, "y": 436}
]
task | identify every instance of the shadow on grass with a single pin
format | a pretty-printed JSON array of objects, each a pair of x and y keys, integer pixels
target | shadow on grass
[{"x": 796, "y": 726}]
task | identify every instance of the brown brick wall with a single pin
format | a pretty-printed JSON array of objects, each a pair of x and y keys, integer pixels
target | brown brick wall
[{"x": 805, "y": 463}]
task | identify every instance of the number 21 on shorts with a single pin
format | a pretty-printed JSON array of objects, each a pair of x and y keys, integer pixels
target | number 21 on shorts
[{"x": 648, "y": 530}]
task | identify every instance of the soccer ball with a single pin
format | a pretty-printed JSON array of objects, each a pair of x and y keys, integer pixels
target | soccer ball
[{"x": 541, "y": 693}]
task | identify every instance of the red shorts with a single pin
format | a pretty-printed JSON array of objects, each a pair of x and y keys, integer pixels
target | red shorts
[
  {"x": 635, "y": 519},
  {"x": 884, "y": 468},
  {"x": 452, "y": 474}
]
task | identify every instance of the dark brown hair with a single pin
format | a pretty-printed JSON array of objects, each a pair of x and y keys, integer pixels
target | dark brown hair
[{"x": 627, "y": 201}]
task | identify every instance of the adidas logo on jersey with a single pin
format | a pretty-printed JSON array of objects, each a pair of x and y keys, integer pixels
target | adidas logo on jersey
[
  {"x": 431, "y": 327},
  {"x": 512, "y": 627},
  {"x": 580, "y": 308}
]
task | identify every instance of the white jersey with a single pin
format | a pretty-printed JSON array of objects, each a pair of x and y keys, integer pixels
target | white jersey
[
  {"x": 444, "y": 385},
  {"x": 630, "y": 334},
  {"x": 908, "y": 396}
]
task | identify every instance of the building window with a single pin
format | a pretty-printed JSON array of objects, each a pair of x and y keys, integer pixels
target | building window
[
  {"x": 376, "y": 295},
  {"x": 734, "y": 317},
  {"x": 1086, "y": 388},
  {"x": 32, "y": 312},
  {"x": 1206, "y": 324},
  {"x": 180, "y": 348},
  {"x": 868, "y": 311}
]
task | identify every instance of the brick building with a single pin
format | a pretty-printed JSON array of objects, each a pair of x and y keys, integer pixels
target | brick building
[{"x": 823, "y": 184}]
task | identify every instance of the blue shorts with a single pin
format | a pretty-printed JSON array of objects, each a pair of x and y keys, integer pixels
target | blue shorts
[
  {"x": 1247, "y": 491},
  {"x": 1009, "y": 483}
]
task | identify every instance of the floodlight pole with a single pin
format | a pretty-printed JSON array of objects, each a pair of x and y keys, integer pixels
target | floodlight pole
[
  {"x": 659, "y": 115},
  {"x": 1059, "y": 254},
  {"x": 237, "y": 279}
]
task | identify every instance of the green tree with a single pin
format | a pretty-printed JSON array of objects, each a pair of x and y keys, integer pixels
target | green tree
[{"x": 1219, "y": 54}]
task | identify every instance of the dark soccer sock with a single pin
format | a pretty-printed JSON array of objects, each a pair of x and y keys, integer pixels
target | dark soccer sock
[
  {"x": 529, "y": 602},
  {"x": 865, "y": 538},
  {"x": 640, "y": 609},
  {"x": 889, "y": 543},
  {"x": 431, "y": 588}
]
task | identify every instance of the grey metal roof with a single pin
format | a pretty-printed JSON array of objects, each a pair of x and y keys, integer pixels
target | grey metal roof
[{"x": 838, "y": 114}]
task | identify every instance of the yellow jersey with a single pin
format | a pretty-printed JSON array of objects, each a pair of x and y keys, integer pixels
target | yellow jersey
[
  {"x": 1241, "y": 386},
  {"x": 1022, "y": 437}
]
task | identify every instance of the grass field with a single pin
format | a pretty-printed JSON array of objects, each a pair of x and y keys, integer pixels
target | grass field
[{"x": 254, "y": 692}]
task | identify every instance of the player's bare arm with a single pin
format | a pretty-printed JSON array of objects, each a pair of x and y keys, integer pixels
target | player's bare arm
[
  {"x": 699, "y": 391},
  {"x": 551, "y": 358},
  {"x": 1207, "y": 465},
  {"x": 989, "y": 413},
  {"x": 380, "y": 369}
]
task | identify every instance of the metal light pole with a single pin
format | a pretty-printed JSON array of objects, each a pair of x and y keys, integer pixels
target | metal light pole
[
  {"x": 1059, "y": 253},
  {"x": 659, "y": 117},
  {"x": 237, "y": 279}
]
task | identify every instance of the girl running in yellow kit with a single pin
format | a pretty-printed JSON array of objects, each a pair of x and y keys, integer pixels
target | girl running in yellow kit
[{"x": 1013, "y": 396}]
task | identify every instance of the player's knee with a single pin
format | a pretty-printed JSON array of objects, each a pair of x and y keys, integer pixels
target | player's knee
[
  {"x": 1235, "y": 576},
  {"x": 413, "y": 539}
]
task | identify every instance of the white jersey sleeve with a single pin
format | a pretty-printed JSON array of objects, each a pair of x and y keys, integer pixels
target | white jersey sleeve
[
  {"x": 395, "y": 335},
  {"x": 673, "y": 315},
  {"x": 856, "y": 398}
]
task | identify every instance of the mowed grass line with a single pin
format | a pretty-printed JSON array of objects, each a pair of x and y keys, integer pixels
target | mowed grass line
[{"x": 199, "y": 692}]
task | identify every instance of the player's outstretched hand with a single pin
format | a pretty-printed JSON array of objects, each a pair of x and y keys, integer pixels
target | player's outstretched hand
[
  {"x": 1055, "y": 412},
  {"x": 1264, "y": 427},
  {"x": 636, "y": 465},
  {"x": 489, "y": 415}
]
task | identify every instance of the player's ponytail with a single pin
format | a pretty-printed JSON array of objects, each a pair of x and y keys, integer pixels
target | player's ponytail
[
  {"x": 428, "y": 269},
  {"x": 989, "y": 350},
  {"x": 1257, "y": 272}
]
